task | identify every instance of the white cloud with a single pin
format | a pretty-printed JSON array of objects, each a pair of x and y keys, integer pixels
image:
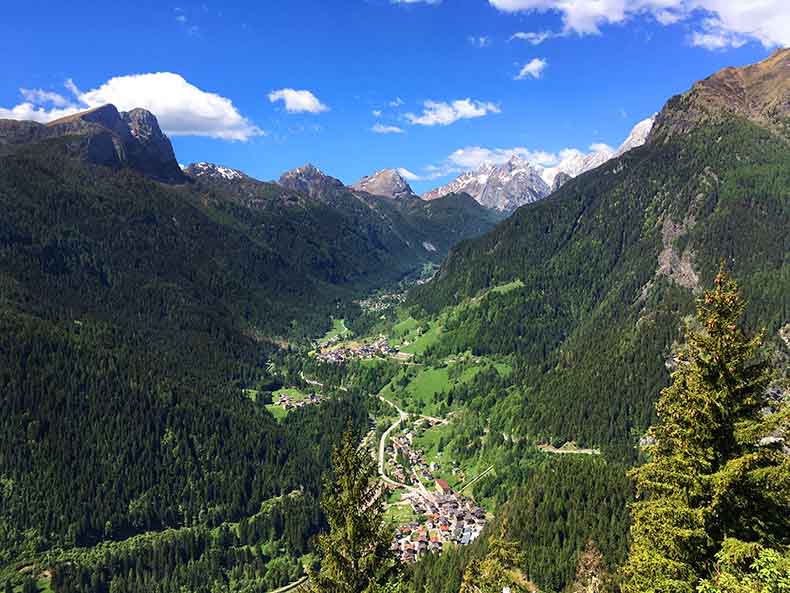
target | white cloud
[
  {"x": 443, "y": 114},
  {"x": 298, "y": 101},
  {"x": 767, "y": 21},
  {"x": 481, "y": 41},
  {"x": 181, "y": 108},
  {"x": 42, "y": 97},
  {"x": 714, "y": 36},
  {"x": 471, "y": 157},
  {"x": 29, "y": 112},
  {"x": 533, "y": 68},
  {"x": 408, "y": 175},
  {"x": 715, "y": 40},
  {"x": 376, "y": 112},
  {"x": 533, "y": 37},
  {"x": 382, "y": 129},
  {"x": 396, "y": 102}
]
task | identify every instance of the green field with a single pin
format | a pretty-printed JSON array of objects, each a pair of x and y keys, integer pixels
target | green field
[
  {"x": 424, "y": 340},
  {"x": 400, "y": 514},
  {"x": 418, "y": 395},
  {"x": 421, "y": 389},
  {"x": 338, "y": 329},
  {"x": 505, "y": 288},
  {"x": 278, "y": 411},
  {"x": 420, "y": 337}
]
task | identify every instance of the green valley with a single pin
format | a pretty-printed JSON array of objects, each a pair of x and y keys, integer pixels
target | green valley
[{"x": 556, "y": 373}]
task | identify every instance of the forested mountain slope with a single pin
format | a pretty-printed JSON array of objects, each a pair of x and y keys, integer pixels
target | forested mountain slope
[
  {"x": 611, "y": 262},
  {"x": 132, "y": 314},
  {"x": 130, "y": 321}
]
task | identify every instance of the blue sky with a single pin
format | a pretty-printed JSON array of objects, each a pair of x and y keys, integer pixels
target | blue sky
[{"x": 217, "y": 74}]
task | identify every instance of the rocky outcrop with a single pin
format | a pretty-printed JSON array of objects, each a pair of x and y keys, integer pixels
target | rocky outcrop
[
  {"x": 103, "y": 136},
  {"x": 387, "y": 182},
  {"x": 151, "y": 152},
  {"x": 759, "y": 92},
  {"x": 559, "y": 180}
]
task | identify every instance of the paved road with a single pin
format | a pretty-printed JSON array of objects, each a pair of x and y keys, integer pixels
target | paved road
[
  {"x": 316, "y": 383},
  {"x": 383, "y": 444},
  {"x": 290, "y": 586}
]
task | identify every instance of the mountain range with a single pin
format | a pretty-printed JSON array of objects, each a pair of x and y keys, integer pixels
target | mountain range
[
  {"x": 509, "y": 185},
  {"x": 309, "y": 231}
]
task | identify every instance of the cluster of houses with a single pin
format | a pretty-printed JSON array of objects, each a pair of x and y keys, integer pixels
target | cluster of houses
[
  {"x": 380, "y": 347},
  {"x": 288, "y": 402},
  {"x": 445, "y": 517},
  {"x": 382, "y": 302},
  {"x": 417, "y": 468}
]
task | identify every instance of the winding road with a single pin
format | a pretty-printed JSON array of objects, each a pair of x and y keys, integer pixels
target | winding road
[{"x": 383, "y": 444}]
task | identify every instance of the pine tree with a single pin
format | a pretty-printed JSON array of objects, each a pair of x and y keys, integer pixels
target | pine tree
[
  {"x": 356, "y": 555},
  {"x": 710, "y": 478},
  {"x": 498, "y": 571},
  {"x": 590, "y": 570}
]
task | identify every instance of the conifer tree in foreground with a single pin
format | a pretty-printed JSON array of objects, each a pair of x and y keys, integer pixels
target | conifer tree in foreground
[
  {"x": 715, "y": 493},
  {"x": 499, "y": 571},
  {"x": 356, "y": 554}
]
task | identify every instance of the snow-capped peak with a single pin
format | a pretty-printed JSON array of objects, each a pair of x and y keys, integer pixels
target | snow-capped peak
[
  {"x": 503, "y": 187},
  {"x": 204, "y": 169},
  {"x": 574, "y": 162},
  {"x": 507, "y": 185},
  {"x": 638, "y": 135}
]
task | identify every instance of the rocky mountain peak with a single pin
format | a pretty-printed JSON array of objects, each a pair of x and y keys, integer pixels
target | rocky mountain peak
[
  {"x": 638, "y": 135},
  {"x": 142, "y": 124},
  {"x": 506, "y": 186},
  {"x": 105, "y": 136},
  {"x": 387, "y": 182},
  {"x": 211, "y": 171},
  {"x": 309, "y": 179},
  {"x": 106, "y": 116},
  {"x": 501, "y": 187},
  {"x": 759, "y": 92}
]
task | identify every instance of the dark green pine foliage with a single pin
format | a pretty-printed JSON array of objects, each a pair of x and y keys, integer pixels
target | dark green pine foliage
[
  {"x": 356, "y": 555},
  {"x": 257, "y": 555},
  {"x": 712, "y": 484},
  {"x": 500, "y": 570}
]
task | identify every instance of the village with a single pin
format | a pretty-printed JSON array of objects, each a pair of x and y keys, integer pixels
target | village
[
  {"x": 289, "y": 402},
  {"x": 443, "y": 515},
  {"x": 379, "y": 347},
  {"x": 382, "y": 302}
]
